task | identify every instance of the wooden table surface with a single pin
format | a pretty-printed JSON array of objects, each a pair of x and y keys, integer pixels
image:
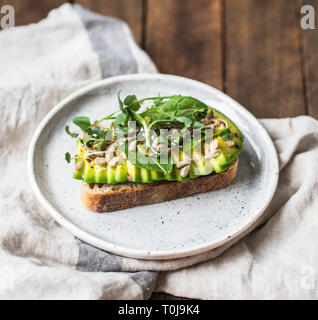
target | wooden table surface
[{"x": 254, "y": 50}]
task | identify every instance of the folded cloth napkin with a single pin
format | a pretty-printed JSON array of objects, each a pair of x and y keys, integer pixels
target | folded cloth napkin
[{"x": 44, "y": 62}]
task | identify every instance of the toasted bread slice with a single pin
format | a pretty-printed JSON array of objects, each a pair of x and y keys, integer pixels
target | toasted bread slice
[{"x": 106, "y": 197}]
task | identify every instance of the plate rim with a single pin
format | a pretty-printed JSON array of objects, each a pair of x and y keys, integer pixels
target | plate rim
[{"x": 121, "y": 250}]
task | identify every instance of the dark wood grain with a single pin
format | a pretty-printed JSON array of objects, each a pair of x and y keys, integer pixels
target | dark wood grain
[
  {"x": 184, "y": 37},
  {"x": 262, "y": 56},
  {"x": 30, "y": 11},
  {"x": 130, "y": 11},
  {"x": 309, "y": 46}
]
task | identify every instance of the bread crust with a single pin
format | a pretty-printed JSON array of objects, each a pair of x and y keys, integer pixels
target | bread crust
[{"x": 130, "y": 194}]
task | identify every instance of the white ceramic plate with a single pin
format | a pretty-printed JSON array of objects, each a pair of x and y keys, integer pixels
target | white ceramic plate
[{"x": 166, "y": 230}]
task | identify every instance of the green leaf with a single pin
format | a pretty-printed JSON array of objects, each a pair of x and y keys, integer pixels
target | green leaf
[
  {"x": 121, "y": 105},
  {"x": 180, "y": 104},
  {"x": 140, "y": 160},
  {"x": 119, "y": 123},
  {"x": 101, "y": 145},
  {"x": 187, "y": 121},
  {"x": 197, "y": 125},
  {"x": 153, "y": 163},
  {"x": 129, "y": 100},
  {"x": 157, "y": 102},
  {"x": 132, "y": 103},
  {"x": 178, "y": 109},
  {"x": 68, "y": 157},
  {"x": 89, "y": 143},
  {"x": 98, "y": 132},
  {"x": 72, "y": 134},
  {"x": 108, "y": 135},
  {"x": 183, "y": 119},
  {"x": 226, "y": 134},
  {"x": 83, "y": 122},
  {"x": 191, "y": 145}
]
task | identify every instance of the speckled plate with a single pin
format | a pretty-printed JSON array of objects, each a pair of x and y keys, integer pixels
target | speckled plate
[{"x": 166, "y": 230}]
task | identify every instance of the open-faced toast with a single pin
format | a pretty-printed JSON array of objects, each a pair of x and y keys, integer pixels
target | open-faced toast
[
  {"x": 176, "y": 147},
  {"x": 106, "y": 197}
]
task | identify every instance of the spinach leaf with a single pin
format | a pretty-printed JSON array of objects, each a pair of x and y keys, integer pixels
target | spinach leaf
[{"x": 178, "y": 109}]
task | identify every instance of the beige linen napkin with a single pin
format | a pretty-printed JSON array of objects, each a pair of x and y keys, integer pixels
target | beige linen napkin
[{"x": 280, "y": 259}]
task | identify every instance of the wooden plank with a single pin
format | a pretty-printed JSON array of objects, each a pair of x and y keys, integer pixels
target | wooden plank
[
  {"x": 184, "y": 37},
  {"x": 30, "y": 11},
  {"x": 262, "y": 56},
  {"x": 309, "y": 46},
  {"x": 130, "y": 11}
]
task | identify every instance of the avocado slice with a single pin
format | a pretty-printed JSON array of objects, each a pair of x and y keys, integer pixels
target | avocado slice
[
  {"x": 133, "y": 172},
  {"x": 238, "y": 136},
  {"x": 177, "y": 176},
  {"x": 121, "y": 173},
  {"x": 101, "y": 174},
  {"x": 193, "y": 172},
  {"x": 89, "y": 173},
  {"x": 201, "y": 166},
  {"x": 78, "y": 174},
  {"x": 226, "y": 157},
  {"x": 169, "y": 176},
  {"x": 111, "y": 177},
  {"x": 157, "y": 175},
  {"x": 145, "y": 175},
  {"x": 227, "y": 153}
]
